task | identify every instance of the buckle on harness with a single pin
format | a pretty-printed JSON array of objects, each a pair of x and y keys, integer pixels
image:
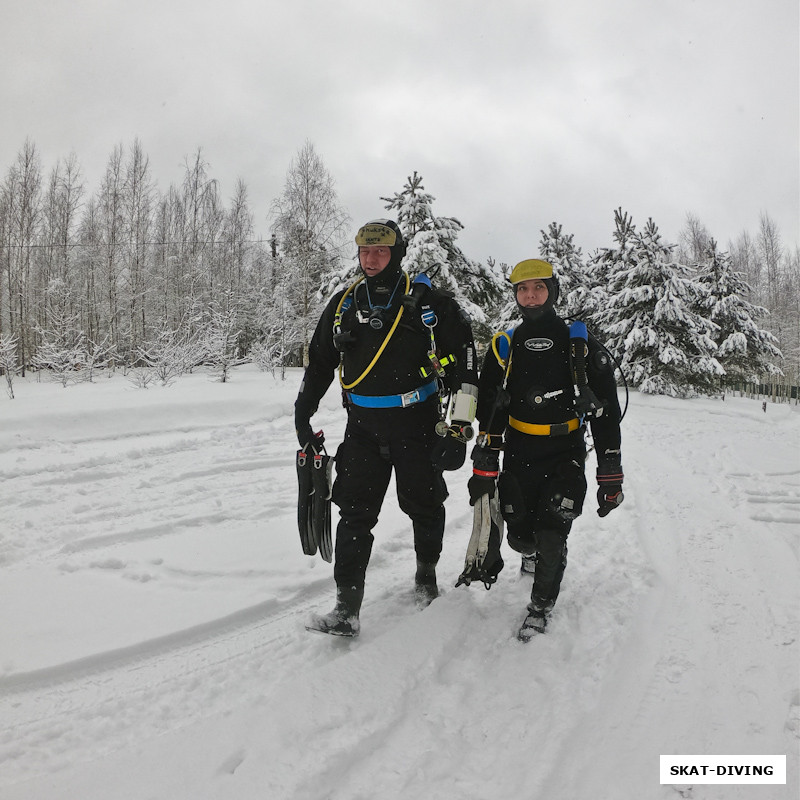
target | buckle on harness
[{"x": 409, "y": 398}]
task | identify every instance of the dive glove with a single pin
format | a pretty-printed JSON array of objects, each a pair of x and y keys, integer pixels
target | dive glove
[
  {"x": 450, "y": 449},
  {"x": 485, "y": 469},
  {"x": 306, "y": 436},
  {"x": 609, "y": 479}
]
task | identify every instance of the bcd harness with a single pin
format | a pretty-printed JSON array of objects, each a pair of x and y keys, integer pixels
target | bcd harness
[
  {"x": 434, "y": 370},
  {"x": 584, "y": 401}
]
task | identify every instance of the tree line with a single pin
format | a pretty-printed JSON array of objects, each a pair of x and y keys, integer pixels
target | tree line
[{"x": 158, "y": 282}]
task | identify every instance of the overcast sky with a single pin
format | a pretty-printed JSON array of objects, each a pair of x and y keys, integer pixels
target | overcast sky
[{"x": 516, "y": 113}]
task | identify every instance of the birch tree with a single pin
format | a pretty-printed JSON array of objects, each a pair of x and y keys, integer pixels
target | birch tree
[
  {"x": 310, "y": 226},
  {"x": 137, "y": 202},
  {"x": 21, "y": 205}
]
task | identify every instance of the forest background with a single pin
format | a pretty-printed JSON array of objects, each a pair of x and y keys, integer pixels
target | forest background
[{"x": 156, "y": 282}]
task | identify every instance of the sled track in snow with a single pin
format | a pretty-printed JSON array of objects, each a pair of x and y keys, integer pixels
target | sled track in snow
[
  {"x": 148, "y": 688},
  {"x": 202, "y": 636}
]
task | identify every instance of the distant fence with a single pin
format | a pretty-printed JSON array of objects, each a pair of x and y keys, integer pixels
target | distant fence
[{"x": 778, "y": 392}]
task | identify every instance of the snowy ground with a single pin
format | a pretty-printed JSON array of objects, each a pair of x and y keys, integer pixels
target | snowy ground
[{"x": 154, "y": 594}]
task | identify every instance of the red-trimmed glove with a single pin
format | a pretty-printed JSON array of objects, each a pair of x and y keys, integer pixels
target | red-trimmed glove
[
  {"x": 485, "y": 469},
  {"x": 306, "y": 436},
  {"x": 609, "y": 479}
]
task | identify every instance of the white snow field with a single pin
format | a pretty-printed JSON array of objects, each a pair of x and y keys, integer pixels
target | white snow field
[{"x": 154, "y": 593}]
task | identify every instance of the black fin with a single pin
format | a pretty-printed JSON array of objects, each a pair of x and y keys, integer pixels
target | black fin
[
  {"x": 305, "y": 495},
  {"x": 321, "y": 477}
]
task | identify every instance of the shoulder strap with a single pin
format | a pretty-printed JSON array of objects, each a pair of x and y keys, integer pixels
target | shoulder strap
[
  {"x": 501, "y": 346},
  {"x": 374, "y": 361}
]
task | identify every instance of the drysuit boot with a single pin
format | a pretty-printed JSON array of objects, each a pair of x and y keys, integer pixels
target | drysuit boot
[
  {"x": 343, "y": 620},
  {"x": 425, "y": 588},
  {"x": 536, "y": 621}
]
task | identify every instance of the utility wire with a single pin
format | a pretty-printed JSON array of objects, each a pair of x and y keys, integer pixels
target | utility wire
[{"x": 123, "y": 244}]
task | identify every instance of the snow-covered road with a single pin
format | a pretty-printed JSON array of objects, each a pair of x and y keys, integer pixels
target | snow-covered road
[{"x": 154, "y": 594}]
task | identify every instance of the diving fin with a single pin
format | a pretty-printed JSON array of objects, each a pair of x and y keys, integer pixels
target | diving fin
[
  {"x": 322, "y": 482},
  {"x": 305, "y": 485},
  {"x": 483, "y": 561}
]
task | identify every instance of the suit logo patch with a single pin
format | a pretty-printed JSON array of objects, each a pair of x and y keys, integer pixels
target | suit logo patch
[{"x": 537, "y": 345}]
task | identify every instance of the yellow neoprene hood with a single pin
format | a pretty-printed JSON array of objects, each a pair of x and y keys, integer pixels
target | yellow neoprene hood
[{"x": 529, "y": 269}]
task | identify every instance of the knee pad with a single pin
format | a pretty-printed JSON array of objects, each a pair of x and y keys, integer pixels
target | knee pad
[{"x": 566, "y": 490}]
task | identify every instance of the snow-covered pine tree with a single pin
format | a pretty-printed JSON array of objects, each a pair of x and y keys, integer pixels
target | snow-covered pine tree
[
  {"x": 567, "y": 260},
  {"x": 747, "y": 352},
  {"x": 480, "y": 289},
  {"x": 601, "y": 265},
  {"x": 663, "y": 346}
]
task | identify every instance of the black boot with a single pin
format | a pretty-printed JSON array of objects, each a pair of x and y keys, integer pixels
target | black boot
[
  {"x": 343, "y": 620},
  {"x": 425, "y": 588},
  {"x": 536, "y": 621}
]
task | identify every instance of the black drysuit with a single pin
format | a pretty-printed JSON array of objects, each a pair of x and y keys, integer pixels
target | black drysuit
[
  {"x": 379, "y": 439},
  {"x": 543, "y": 478}
]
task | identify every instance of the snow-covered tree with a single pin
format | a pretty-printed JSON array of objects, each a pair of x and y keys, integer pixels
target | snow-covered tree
[
  {"x": 746, "y": 352},
  {"x": 310, "y": 226},
  {"x": 480, "y": 289},
  {"x": 171, "y": 353},
  {"x": 98, "y": 356},
  {"x": 567, "y": 260},
  {"x": 693, "y": 241},
  {"x": 62, "y": 344},
  {"x": 62, "y": 361},
  {"x": 220, "y": 340},
  {"x": 8, "y": 361},
  {"x": 602, "y": 265},
  {"x": 280, "y": 329},
  {"x": 663, "y": 346},
  {"x": 20, "y": 206}
]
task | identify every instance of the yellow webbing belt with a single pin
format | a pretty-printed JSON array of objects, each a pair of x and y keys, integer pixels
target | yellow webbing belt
[{"x": 558, "y": 429}]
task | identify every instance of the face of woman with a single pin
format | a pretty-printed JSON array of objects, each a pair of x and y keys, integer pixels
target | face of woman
[{"x": 532, "y": 293}]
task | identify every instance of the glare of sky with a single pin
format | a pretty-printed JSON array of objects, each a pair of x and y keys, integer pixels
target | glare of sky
[{"x": 516, "y": 113}]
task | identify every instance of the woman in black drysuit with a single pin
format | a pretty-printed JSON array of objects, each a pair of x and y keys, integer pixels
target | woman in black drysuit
[
  {"x": 540, "y": 383},
  {"x": 391, "y": 376}
]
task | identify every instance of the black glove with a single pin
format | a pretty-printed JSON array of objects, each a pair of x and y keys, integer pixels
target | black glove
[
  {"x": 306, "y": 436},
  {"x": 450, "y": 451},
  {"x": 609, "y": 479},
  {"x": 485, "y": 469}
]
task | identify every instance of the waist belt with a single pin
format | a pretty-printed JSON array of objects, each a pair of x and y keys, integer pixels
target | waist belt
[
  {"x": 393, "y": 400},
  {"x": 559, "y": 429}
]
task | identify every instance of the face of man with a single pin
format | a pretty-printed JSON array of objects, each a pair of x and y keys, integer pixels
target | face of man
[
  {"x": 532, "y": 293},
  {"x": 374, "y": 258}
]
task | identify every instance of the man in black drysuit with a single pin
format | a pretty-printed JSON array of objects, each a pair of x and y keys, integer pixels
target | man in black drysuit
[
  {"x": 400, "y": 344},
  {"x": 535, "y": 396}
]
